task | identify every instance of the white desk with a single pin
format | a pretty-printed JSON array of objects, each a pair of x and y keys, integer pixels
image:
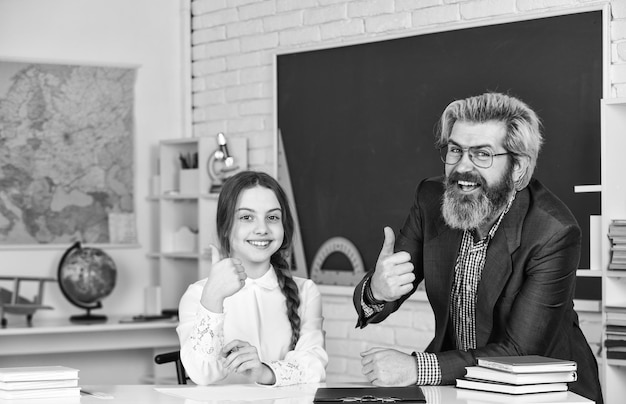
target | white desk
[{"x": 137, "y": 394}]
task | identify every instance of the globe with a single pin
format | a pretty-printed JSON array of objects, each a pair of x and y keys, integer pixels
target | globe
[{"x": 86, "y": 275}]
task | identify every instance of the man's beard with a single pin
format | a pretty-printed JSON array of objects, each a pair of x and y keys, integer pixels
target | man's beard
[{"x": 467, "y": 212}]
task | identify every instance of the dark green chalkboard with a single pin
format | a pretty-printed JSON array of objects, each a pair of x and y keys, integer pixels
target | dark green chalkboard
[{"x": 358, "y": 121}]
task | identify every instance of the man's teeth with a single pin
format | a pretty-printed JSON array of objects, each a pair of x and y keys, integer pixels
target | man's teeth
[
  {"x": 467, "y": 184},
  {"x": 259, "y": 243}
]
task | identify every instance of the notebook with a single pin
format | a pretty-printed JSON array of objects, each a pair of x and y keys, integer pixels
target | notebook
[
  {"x": 510, "y": 388},
  {"x": 408, "y": 394},
  {"x": 527, "y": 364},
  {"x": 36, "y": 373},
  {"x": 482, "y": 373}
]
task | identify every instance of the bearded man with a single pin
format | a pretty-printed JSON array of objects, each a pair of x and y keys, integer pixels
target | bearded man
[{"x": 497, "y": 251}]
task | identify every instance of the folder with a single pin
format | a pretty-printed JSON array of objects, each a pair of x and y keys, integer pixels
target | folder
[{"x": 408, "y": 394}]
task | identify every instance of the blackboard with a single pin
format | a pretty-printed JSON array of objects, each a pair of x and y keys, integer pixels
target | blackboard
[{"x": 358, "y": 121}]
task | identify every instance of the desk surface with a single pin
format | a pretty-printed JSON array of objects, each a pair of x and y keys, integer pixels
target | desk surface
[{"x": 138, "y": 394}]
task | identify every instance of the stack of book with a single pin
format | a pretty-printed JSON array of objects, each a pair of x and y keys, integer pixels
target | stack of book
[
  {"x": 615, "y": 342},
  {"x": 617, "y": 235},
  {"x": 38, "y": 382},
  {"x": 519, "y": 375}
]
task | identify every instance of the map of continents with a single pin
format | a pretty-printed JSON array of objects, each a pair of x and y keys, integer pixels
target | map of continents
[{"x": 66, "y": 151}]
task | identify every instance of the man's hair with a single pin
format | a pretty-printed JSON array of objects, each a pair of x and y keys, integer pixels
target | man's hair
[{"x": 523, "y": 126}]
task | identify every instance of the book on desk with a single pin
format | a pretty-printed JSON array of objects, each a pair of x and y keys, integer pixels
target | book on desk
[
  {"x": 527, "y": 364},
  {"x": 38, "y": 382},
  {"x": 519, "y": 375},
  {"x": 499, "y": 387},
  {"x": 483, "y": 397},
  {"x": 482, "y": 373}
]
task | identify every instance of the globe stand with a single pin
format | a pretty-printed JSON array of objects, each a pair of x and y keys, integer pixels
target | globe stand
[
  {"x": 85, "y": 276},
  {"x": 88, "y": 317}
]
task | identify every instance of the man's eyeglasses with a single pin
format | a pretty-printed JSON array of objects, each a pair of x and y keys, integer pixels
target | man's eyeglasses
[{"x": 483, "y": 158}]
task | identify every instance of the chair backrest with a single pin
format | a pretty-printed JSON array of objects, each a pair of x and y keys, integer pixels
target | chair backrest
[{"x": 174, "y": 356}]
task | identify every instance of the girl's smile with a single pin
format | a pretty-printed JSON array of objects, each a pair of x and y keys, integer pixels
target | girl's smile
[
  {"x": 257, "y": 231},
  {"x": 260, "y": 243}
]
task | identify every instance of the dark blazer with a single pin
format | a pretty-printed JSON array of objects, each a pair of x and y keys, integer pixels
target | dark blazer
[{"x": 524, "y": 302}]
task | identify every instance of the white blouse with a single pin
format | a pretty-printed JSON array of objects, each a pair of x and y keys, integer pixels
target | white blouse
[{"x": 256, "y": 314}]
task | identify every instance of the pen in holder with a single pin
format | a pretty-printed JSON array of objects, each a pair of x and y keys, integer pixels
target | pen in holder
[{"x": 221, "y": 164}]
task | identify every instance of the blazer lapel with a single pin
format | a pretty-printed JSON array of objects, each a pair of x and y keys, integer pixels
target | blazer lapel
[
  {"x": 498, "y": 265},
  {"x": 444, "y": 249},
  {"x": 439, "y": 258}
]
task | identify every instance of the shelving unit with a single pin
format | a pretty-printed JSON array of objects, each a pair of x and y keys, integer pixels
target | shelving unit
[
  {"x": 182, "y": 263},
  {"x": 95, "y": 349},
  {"x": 613, "y": 207}
]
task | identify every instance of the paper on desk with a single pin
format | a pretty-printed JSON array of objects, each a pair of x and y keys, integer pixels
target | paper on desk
[{"x": 239, "y": 392}]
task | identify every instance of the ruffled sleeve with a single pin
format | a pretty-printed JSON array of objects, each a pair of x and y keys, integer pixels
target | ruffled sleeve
[{"x": 201, "y": 335}]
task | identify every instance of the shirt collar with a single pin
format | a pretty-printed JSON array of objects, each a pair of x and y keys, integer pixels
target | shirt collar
[
  {"x": 496, "y": 225},
  {"x": 268, "y": 281}
]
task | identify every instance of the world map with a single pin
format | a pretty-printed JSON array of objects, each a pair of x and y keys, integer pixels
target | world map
[{"x": 66, "y": 151}]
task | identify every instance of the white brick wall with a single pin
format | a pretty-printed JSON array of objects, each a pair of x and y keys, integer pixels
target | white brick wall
[
  {"x": 233, "y": 44},
  {"x": 234, "y": 41},
  {"x": 409, "y": 329},
  {"x": 473, "y": 10}
]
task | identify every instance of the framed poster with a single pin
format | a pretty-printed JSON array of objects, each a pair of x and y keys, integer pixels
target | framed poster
[{"x": 66, "y": 154}]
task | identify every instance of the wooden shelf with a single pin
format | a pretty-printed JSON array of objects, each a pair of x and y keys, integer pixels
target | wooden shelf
[
  {"x": 616, "y": 362},
  {"x": 613, "y": 112},
  {"x": 194, "y": 210},
  {"x": 181, "y": 255},
  {"x": 61, "y": 335}
]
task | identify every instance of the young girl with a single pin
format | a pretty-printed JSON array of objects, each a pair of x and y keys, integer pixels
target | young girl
[{"x": 250, "y": 320}]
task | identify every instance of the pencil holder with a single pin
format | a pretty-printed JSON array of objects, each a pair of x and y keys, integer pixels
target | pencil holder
[{"x": 188, "y": 181}]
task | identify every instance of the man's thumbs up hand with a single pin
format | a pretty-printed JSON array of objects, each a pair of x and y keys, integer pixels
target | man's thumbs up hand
[
  {"x": 388, "y": 243},
  {"x": 393, "y": 276}
]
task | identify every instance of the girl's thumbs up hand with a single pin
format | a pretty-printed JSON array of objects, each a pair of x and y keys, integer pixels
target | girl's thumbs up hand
[{"x": 226, "y": 277}]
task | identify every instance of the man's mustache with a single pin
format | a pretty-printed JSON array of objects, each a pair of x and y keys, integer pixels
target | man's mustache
[{"x": 470, "y": 177}]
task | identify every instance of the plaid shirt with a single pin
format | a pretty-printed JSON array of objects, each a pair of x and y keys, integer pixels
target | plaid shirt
[{"x": 467, "y": 273}]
